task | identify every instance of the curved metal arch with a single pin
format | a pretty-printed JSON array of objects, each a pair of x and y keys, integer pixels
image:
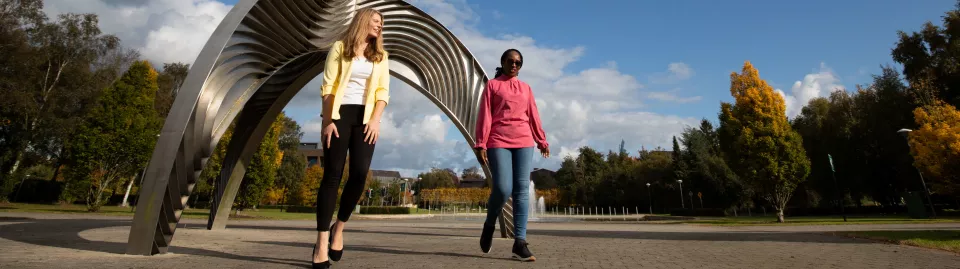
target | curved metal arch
[{"x": 258, "y": 58}]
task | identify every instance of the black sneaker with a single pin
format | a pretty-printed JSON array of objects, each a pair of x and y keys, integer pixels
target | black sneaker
[
  {"x": 521, "y": 252},
  {"x": 486, "y": 238}
]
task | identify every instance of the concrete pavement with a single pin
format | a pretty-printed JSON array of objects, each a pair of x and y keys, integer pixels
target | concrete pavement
[{"x": 29, "y": 240}]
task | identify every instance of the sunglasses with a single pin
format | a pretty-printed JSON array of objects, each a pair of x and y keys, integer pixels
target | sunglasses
[{"x": 512, "y": 61}]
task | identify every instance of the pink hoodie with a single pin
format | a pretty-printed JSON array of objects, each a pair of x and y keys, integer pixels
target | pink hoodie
[{"x": 508, "y": 116}]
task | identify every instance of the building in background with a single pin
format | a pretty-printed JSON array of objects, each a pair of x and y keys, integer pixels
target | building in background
[
  {"x": 313, "y": 153},
  {"x": 478, "y": 182},
  {"x": 386, "y": 178}
]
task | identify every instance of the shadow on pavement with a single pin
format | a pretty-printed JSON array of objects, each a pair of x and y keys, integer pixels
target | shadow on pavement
[
  {"x": 384, "y": 250},
  {"x": 347, "y": 230},
  {"x": 727, "y": 236},
  {"x": 730, "y": 236},
  {"x": 65, "y": 233}
]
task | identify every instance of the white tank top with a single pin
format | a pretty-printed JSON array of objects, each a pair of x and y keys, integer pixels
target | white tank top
[{"x": 356, "y": 90}]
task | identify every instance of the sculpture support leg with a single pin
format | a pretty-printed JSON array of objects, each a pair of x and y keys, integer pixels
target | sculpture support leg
[
  {"x": 253, "y": 123},
  {"x": 218, "y": 218}
]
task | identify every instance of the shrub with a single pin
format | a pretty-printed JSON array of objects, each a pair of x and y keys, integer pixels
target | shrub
[{"x": 386, "y": 210}]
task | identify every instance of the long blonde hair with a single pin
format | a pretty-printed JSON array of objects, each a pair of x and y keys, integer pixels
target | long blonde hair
[{"x": 357, "y": 33}]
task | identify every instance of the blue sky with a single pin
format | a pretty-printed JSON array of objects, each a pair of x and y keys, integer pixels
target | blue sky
[
  {"x": 640, "y": 71},
  {"x": 786, "y": 41}
]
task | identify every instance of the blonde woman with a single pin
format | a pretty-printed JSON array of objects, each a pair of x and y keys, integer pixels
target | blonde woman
[{"x": 356, "y": 81}]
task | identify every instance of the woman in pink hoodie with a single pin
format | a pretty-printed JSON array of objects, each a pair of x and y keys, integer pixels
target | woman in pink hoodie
[{"x": 508, "y": 128}]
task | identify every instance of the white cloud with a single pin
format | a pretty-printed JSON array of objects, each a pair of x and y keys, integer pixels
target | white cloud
[
  {"x": 594, "y": 107},
  {"x": 162, "y": 30},
  {"x": 671, "y": 96},
  {"x": 818, "y": 84},
  {"x": 676, "y": 72}
]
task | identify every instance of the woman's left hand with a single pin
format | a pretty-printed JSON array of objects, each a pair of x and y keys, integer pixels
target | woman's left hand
[
  {"x": 371, "y": 132},
  {"x": 545, "y": 152}
]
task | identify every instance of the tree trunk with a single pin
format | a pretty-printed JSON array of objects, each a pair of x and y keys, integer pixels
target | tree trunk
[
  {"x": 780, "y": 215},
  {"x": 127, "y": 194},
  {"x": 16, "y": 162}
]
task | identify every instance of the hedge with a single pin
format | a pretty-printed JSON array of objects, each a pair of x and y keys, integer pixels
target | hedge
[
  {"x": 698, "y": 212},
  {"x": 386, "y": 210},
  {"x": 301, "y": 209}
]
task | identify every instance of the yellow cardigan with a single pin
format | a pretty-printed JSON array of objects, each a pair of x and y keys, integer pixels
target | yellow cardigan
[{"x": 336, "y": 72}]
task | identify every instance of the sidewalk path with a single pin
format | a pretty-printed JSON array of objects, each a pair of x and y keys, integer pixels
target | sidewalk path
[{"x": 31, "y": 240}]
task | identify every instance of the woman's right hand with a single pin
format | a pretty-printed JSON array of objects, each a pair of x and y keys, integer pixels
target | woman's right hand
[{"x": 329, "y": 130}]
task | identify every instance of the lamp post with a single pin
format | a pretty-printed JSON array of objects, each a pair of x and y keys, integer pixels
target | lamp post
[
  {"x": 833, "y": 172},
  {"x": 906, "y": 135},
  {"x": 650, "y": 199},
  {"x": 679, "y": 181}
]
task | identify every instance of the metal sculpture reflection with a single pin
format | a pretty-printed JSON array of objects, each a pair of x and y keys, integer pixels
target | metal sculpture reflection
[{"x": 258, "y": 58}]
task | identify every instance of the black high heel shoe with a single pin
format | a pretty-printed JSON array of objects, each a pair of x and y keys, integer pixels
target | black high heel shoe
[
  {"x": 321, "y": 265},
  {"x": 334, "y": 255}
]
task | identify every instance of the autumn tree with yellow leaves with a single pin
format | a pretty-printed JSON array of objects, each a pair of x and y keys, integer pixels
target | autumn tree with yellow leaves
[
  {"x": 758, "y": 141},
  {"x": 935, "y": 146}
]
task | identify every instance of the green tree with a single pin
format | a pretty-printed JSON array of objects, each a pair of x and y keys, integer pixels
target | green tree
[
  {"x": 707, "y": 169},
  {"x": 758, "y": 141},
  {"x": 262, "y": 171},
  {"x": 171, "y": 79},
  {"x": 72, "y": 43},
  {"x": 292, "y": 170},
  {"x": 116, "y": 139},
  {"x": 472, "y": 173},
  {"x": 929, "y": 58},
  {"x": 436, "y": 178},
  {"x": 291, "y": 133}
]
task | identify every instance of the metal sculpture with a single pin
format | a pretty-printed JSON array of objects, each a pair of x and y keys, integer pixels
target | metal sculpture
[{"x": 258, "y": 58}]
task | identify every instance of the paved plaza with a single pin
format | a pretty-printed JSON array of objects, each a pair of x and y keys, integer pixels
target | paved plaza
[{"x": 30, "y": 240}]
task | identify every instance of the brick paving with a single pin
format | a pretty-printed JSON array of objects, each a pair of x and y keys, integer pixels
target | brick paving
[{"x": 83, "y": 241}]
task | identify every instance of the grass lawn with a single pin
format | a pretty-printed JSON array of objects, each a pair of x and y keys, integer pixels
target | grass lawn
[
  {"x": 274, "y": 214},
  {"x": 944, "y": 240},
  {"x": 829, "y": 220}
]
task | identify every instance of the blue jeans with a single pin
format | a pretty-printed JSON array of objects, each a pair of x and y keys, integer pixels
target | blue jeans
[{"x": 511, "y": 175}]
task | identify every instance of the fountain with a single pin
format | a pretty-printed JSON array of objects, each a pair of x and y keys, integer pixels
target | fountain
[
  {"x": 532, "y": 203},
  {"x": 541, "y": 205}
]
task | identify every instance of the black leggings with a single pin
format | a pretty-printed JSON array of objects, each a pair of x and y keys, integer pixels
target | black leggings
[{"x": 350, "y": 127}]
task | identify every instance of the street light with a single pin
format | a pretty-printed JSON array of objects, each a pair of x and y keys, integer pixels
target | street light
[
  {"x": 906, "y": 135},
  {"x": 650, "y": 199},
  {"x": 681, "y": 193}
]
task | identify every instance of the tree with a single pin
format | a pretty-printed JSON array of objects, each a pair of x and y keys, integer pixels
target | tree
[
  {"x": 679, "y": 167},
  {"x": 71, "y": 43},
  {"x": 935, "y": 146},
  {"x": 293, "y": 166},
  {"x": 118, "y": 136},
  {"x": 929, "y": 58},
  {"x": 472, "y": 173},
  {"x": 579, "y": 178},
  {"x": 171, "y": 79},
  {"x": 437, "y": 178},
  {"x": 291, "y": 134},
  {"x": 759, "y": 143},
  {"x": 291, "y": 171},
  {"x": 707, "y": 169},
  {"x": 262, "y": 170},
  {"x": 306, "y": 192}
]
